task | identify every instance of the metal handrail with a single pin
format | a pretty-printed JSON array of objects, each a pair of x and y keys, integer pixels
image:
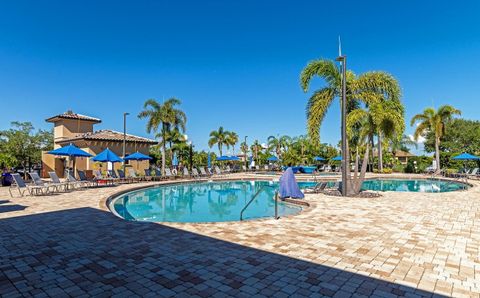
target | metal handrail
[{"x": 253, "y": 198}]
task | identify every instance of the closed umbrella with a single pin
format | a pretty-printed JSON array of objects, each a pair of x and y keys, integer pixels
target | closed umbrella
[
  {"x": 175, "y": 160},
  {"x": 71, "y": 151},
  {"x": 209, "y": 161}
]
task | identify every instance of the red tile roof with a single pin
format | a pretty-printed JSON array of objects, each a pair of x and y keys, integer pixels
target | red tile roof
[
  {"x": 72, "y": 115},
  {"x": 109, "y": 135}
]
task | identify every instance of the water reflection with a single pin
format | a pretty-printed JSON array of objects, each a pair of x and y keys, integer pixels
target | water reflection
[{"x": 199, "y": 202}]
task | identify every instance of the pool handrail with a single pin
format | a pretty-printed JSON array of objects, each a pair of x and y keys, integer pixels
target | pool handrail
[{"x": 255, "y": 196}]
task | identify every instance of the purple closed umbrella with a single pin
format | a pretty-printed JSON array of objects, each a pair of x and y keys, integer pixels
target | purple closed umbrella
[{"x": 289, "y": 186}]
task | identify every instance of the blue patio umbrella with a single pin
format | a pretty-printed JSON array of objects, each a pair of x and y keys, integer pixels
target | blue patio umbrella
[
  {"x": 337, "y": 158},
  {"x": 466, "y": 156},
  {"x": 289, "y": 187},
  {"x": 272, "y": 158},
  {"x": 209, "y": 160},
  {"x": 138, "y": 157},
  {"x": 318, "y": 158},
  {"x": 71, "y": 151},
  {"x": 107, "y": 155}
]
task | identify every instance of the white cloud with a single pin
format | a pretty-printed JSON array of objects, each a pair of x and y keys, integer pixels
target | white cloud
[{"x": 420, "y": 140}]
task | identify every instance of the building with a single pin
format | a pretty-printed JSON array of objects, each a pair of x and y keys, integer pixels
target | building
[
  {"x": 77, "y": 129},
  {"x": 403, "y": 156}
]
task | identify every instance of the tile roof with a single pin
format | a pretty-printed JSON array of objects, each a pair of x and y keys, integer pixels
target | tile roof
[
  {"x": 108, "y": 135},
  {"x": 72, "y": 115}
]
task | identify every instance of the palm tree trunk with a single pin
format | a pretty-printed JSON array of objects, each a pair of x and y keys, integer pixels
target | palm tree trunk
[
  {"x": 163, "y": 149},
  {"x": 380, "y": 153},
  {"x": 437, "y": 154},
  {"x": 220, "y": 148},
  {"x": 373, "y": 157},
  {"x": 359, "y": 181}
]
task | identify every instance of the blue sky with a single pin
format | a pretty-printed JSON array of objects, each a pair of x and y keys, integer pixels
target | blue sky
[{"x": 232, "y": 63}]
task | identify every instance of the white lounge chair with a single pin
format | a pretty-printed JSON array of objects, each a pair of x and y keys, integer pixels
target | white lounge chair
[
  {"x": 56, "y": 181},
  {"x": 39, "y": 182},
  {"x": 20, "y": 185}
]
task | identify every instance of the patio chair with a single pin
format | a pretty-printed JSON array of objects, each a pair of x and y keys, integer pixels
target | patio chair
[
  {"x": 56, "y": 181},
  {"x": 158, "y": 174},
  {"x": 473, "y": 173},
  {"x": 203, "y": 172},
  {"x": 99, "y": 177},
  {"x": 186, "y": 173},
  {"x": 148, "y": 175},
  {"x": 218, "y": 172},
  {"x": 195, "y": 173},
  {"x": 257, "y": 168},
  {"x": 318, "y": 188},
  {"x": 168, "y": 174},
  {"x": 83, "y": 178},
  {"x": 20, "y": 185},
  {"x": 77, "y": 183},
  {"x": 132, "y": 175},
  {"x": 39, "y": 182}
]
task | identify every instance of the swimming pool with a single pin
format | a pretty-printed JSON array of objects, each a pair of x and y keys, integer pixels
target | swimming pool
[
  {"x": 201, "y": 202},
  {"x": 413, "y": 185}
]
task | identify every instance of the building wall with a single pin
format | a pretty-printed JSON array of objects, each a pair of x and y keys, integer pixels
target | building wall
[
  {"x": 68, "y": 128},
  {"x": 50, "y": 162}
]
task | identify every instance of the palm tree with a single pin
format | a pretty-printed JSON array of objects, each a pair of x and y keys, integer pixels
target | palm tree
[
  {"x": 368, "y": 88},
  {"x": 232, "y": 139},
  {"x": 431, "y": 121},
  {"x": 164, "y": 117},
  {"x": 219, "y": 137},
  {"x": 256, "y": 147},
  {"x": 277, "y": 144}
]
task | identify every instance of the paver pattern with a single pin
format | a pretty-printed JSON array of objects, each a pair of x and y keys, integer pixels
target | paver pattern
[{"x": 401, "y": 244}]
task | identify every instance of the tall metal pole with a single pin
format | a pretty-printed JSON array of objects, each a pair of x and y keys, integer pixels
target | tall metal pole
[
  {"x": 343, "y": 60},
  {"x": 246, "y": 150},
  {"x": 191, "y": 156},
  {"x": 124, "y": 136}
]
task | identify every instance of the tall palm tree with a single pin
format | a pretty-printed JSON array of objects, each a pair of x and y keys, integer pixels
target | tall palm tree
[
  {"x": 431, "y": 121},
  {"x": 277, "y": 144},
  {"x": 163, "y": 116},
  {"x": 232, "y": 139},
  {"x": 256, "y": 147},
  {"x": 366, "y": 88},
  {"x": 219, "y": 137}
]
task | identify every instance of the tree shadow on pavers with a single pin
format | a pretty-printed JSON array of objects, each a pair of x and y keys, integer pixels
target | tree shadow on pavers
[
  {"x": 11, "y": 208},
  {"x": 89, "y": 251}
]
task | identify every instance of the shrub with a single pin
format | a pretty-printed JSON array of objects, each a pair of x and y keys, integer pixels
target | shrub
[
  {"x": 398, "y": 168},
  {"x": 387, "y": 171}
]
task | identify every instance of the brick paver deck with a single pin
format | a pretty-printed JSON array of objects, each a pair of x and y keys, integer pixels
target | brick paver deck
[{"x": 401, "y": 244}]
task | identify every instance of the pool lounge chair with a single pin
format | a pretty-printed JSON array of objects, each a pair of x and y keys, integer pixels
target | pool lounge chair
[
  {"x": 195, "y": 173},
  {"x": 20, "y": 185},
  {"x": 83, "y": 178},
  {"x": 51, "y": 187},
  {"x": 473, "y": 173},
  {"x": 186, "y": 173},
  {"x": 318, "y": 188},
  {"x": 122, "y": 177},
  {"x": 204, "y": 173},
  {"x": 158, "y": 175},
  {"x": 56, "y": 181},
  {"x": 148, "y": 175},
  {"x": 169, "y": 175},
  {"x": 77, "y": 183},
  {"x": 132, "y": 175},
  {"x": 218, "y": 172},
  {"x": 99, "y": 177}
]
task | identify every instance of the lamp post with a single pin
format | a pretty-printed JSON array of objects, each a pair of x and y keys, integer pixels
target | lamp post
[
  {"x": 124, "y": 136},
  {"x": 246, "y": 150},
  {"x": 345, "y": 163},
  {"x": 190, "y": 159}
]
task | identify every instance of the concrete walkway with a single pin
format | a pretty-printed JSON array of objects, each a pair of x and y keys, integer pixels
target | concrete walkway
[{"x": 401, "y": 244}]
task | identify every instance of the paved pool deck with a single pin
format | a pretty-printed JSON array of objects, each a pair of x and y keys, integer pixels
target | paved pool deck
[{"x": 400, "y": 244}]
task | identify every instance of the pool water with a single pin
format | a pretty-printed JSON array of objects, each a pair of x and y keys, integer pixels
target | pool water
[
  {"x": 412, "y": 185},
  {"x": 201, "y": 202}
]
